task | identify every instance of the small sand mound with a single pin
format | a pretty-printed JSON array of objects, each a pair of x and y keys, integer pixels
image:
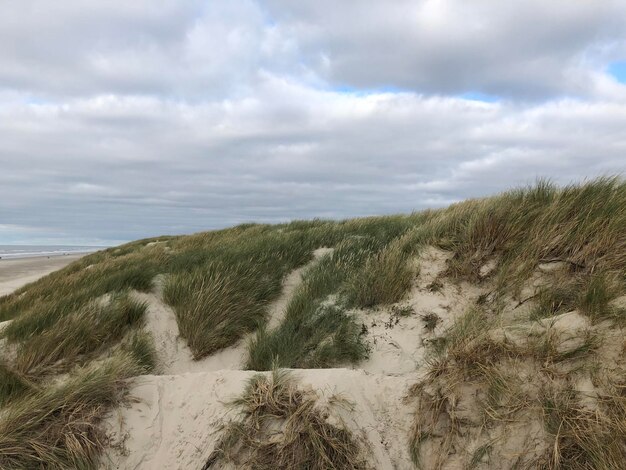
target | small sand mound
[{"x": 176, "y": 420}]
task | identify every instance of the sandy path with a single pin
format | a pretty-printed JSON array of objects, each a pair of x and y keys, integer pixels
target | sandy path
[
  {"x": 290, "y": 283},
  {"x": 15, "y": 273},
  {"x": 175, "y": 356}
]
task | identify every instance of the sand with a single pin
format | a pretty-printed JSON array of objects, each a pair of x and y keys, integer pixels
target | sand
[
  {"x": 15, "y": 273},
  {"x": 176, "y": 419},
  {"x": 397, "y": 343},
  {"x": 173, "y": 420}
]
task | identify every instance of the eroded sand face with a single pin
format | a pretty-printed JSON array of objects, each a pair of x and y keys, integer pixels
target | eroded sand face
[
  {"x": 397, "y": 343},
  {"x": 173, "y": 420}
]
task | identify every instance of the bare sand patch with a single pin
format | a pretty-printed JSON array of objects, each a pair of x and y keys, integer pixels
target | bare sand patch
[
  {"x": 398, "y": 341},
  {"x": 175, "y": 421}
]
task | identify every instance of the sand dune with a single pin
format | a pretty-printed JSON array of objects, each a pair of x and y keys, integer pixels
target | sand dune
[
  {"x": 488, "y": 335},
  {"x": 175, "y": 419}
]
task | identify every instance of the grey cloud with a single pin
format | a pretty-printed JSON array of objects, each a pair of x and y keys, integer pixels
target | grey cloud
[
  {"x": 196, "y": 50},
  {"x": 188, "y": 50},
  {"x": 120, "y": 120},
  {"x": 528, "y": 49},
  {"x": 182, "y": 168}
]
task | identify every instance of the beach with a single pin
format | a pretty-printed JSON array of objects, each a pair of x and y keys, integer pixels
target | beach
[{"x": 15, "y": 273}]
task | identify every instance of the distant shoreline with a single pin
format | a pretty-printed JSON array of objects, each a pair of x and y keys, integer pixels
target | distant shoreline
[
  {"x": 8, "y": 252},
  {"x": 44, "y": 256}
]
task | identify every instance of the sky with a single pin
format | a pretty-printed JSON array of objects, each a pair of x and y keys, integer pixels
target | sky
[{"x": 127, "y": 119}]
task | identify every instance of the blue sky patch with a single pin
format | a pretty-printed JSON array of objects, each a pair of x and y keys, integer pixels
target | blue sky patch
[
  {"x": 478, "y": 96},
  {"x": 36, "y": 100},
  {"x": 350, "y": 90},
  {"x": 618, "y": 70}
]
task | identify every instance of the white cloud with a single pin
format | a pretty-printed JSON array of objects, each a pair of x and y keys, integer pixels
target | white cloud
[
  {"x": 523, "y": 49},
  {"x": 290, "y": 152},
  {"x": 122, "y": 119}
]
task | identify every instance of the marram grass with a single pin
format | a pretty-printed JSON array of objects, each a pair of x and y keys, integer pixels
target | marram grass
[{"x": 83, "y": 320}]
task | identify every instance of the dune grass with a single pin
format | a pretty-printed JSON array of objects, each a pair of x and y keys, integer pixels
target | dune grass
[
  {"x": 220, "y": 284},
  {"x": 212, "y": 306},
  {"x": 590, "y": 293},
  {"x": 253, "y": 260},
  {"x": 12, "y": 384},
  {"x": 585, "y": 438},
  {"x": 477, "y": 382},
  {"x": 581, "y": 225},
  {"x": 281, "y": 426},
  {"x": 220, "y": 301},
  {"x": 140, "y": 346},
  {"x": 89, "y": 330},
  {"x": 384, "y": 279},
  {"x": 47, "y": 301},
  {"x": 528, "y": 372},
  {"x": 558, "y": 297},
  {"x": 594, "y": 300},
  {"x": 57, "y": 427},
  {"x": 367, "y": 268},
  {"x": 315, "y": 332}
]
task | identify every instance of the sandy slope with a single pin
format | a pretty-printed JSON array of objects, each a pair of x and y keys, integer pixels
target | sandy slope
[
  {"x": 397, "y": 343},
  {"x": 173, "y": 420}
]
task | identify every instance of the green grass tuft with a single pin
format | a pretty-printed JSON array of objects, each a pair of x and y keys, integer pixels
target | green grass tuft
[
  {"x": 78, "y": 336},
  {"x": 57, "y": 427},
  {"x": 594, "y": 301},
  {"x": 12, "y": 384},
  {"x": 216, "y": 305},
  {"x": 384, "y": 279},
  {"x": 141, "y": 347}
]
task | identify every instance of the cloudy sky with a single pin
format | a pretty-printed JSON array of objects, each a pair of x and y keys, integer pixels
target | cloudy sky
[{"x": 124, "y": 119}]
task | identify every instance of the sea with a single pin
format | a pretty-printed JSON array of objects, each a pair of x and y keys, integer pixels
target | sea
[{"x": 31, "y": 251}]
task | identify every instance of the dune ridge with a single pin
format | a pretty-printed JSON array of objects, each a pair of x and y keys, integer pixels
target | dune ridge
[{"x": 484, "y": 335}]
